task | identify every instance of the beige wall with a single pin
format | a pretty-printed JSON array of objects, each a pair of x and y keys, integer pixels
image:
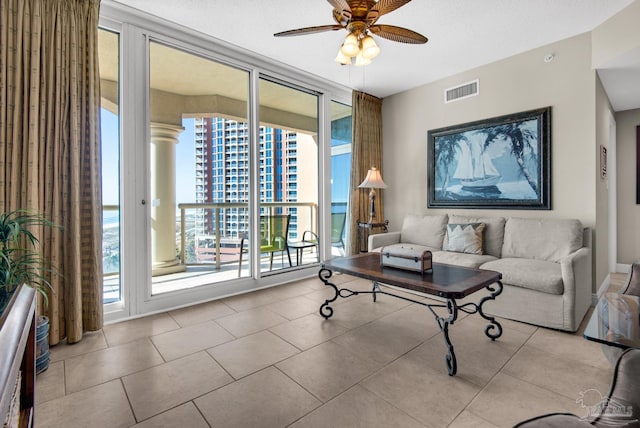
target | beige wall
[
  {"x": 604, "y": 112},
  {"x": 616, "y": 44},
  {"x": 616, "y": 36},
  {"x": 628, "y": 211},
  {"x": 518, "y": 83}
]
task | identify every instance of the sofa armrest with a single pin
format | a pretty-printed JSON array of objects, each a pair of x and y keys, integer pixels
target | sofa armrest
[
  {"x": 383, "y": 239},
  {"x": 576, "y": 277}
]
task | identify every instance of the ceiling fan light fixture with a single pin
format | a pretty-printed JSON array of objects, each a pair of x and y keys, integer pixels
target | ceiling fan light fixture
[
  {"x": 360, "y": 19},
  {"x": 342, "y": 58},
  {"x": 361, "y": 60},
  {"x": 350, "y": 47},
  {"x": 369, "y": 48}
]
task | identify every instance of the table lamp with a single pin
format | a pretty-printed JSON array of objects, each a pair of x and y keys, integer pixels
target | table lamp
[{"x": 372, "y": 181}]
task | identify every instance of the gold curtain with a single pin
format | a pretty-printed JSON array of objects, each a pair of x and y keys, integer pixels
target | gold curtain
[
  {"x": 50, "y": 146},
  {"x": 366, "y": 151}
]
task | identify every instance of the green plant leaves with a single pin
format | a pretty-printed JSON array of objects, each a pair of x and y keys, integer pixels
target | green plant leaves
[{"x": 21, "y": 261}]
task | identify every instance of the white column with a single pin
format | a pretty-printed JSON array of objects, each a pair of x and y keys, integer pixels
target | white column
[{"x": 163, "y": 199}]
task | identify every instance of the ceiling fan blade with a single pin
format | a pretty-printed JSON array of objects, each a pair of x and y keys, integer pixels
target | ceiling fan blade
[
  {"x": 398, "y": 34},
  {"x": 340, "y": 5},
  {"x": 385, "y": 6},
  {"x": 382, "y": 7},
  {"x": 309, "y": 30}
]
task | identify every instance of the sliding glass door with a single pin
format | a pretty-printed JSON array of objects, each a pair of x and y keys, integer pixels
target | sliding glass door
[
  {"x": 204, "y": 150},
  {"x": 340, "y": 175},
  {"x": 109, "y": 53},
  {"x": 287, "y": 153},
  {"x": 198, "y": 169}
]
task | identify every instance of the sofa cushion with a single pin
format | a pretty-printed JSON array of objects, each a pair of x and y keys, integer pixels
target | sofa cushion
[
  {"x": 426, "y": 230},
  {"x": 464, "y": 238},
  {"x": 493, "y": 231},
  {"x": 539, "y": 275},
  {"x": 541, "y": 239},
  {"x": 461, "y": 259}
]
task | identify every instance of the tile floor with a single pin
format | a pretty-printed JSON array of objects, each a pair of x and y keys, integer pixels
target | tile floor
[{"x": 267, "y": 359}]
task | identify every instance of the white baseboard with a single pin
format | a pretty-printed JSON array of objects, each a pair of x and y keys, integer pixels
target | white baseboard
[
  {"x": 623, "y": 268},
  {"x": 620, "y": 267}
]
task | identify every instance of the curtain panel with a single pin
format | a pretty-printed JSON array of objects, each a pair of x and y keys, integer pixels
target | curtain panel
[
  {"x": 50, "y": 147},
  {"x": 366, "y": 151}
]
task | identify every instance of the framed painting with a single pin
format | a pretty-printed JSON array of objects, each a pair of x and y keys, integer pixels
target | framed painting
[{"x": 500, "y": 163}]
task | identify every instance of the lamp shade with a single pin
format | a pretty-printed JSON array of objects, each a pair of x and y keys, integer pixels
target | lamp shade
[
  {"x": 369, "y": 48},
  {"x": 350, "y": 47},
  {"x": 373, "y": 180},
  {"x": 342, "y": 58},
  {"x": 360, "y": 60}
]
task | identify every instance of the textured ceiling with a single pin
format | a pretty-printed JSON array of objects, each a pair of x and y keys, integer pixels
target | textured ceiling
[{"x": 463, "y": 34}]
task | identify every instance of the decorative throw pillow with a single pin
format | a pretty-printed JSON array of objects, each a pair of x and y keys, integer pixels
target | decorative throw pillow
[{"x": 465, "y": 238}]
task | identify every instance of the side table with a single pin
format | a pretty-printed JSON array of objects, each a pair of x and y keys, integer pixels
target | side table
[
  {"x": 615, "y": 322},
  {"x": 365, "y": 229}
]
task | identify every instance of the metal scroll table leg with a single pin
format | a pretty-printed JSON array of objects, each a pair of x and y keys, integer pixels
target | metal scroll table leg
[
  {"x": 376, "y": 288},
  {"x": 494, "y": 329},
  {"x": 325, "y": 310},
  {"x": 443, "y": 323}
]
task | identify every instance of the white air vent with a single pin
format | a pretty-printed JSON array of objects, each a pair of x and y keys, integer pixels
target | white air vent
[{"x": 466, "y": 90}]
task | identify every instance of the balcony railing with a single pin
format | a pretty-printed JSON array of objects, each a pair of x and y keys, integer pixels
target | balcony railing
[
  {"x": 217, "y": 208},
  {"x": 220, "y": 210},
  {"x": 111, "y": 242}
]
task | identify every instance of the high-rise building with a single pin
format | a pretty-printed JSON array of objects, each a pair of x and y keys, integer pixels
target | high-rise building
[{"x": 222, "y": 174}]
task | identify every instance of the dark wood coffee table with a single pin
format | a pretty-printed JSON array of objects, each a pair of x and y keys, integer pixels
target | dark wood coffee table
[{"x": 445, "y": 281}]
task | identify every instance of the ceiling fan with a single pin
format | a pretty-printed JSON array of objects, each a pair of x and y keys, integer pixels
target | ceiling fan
[{"x": 359, "y": 18}]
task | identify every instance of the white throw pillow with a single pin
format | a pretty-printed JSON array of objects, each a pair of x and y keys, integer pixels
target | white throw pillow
[
  {"x": 465, "y": 238},
  {"x": 428, "y": 230}
]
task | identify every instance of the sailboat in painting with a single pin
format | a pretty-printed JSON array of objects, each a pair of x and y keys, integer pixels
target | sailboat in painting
[{"x": 475, "y": 170}]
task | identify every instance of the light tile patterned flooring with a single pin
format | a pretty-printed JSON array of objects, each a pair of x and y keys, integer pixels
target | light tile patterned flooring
[{"x": 267, "y": 359}]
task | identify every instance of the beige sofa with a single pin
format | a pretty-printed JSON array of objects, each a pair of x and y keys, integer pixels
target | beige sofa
[{"x": 545, "y": 263}]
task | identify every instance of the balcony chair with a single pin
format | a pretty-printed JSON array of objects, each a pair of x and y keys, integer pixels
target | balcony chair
[
  {"x": 310, "y": 238},
  {"x": 620, "y": 408},
  {"x": 274, "y": 232},
  {"x": 338, "y": 221}
]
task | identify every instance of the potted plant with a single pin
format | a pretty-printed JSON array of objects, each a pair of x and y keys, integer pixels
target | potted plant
[{"x": 22, "y": 263}]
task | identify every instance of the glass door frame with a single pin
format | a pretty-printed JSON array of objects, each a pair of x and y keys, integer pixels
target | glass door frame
[
  {"x": 270, "y": 79},
  {"x": 120, "y": 308},
  {"x": 136, "y": 29},
  {"x": 146, "y": 301}
]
